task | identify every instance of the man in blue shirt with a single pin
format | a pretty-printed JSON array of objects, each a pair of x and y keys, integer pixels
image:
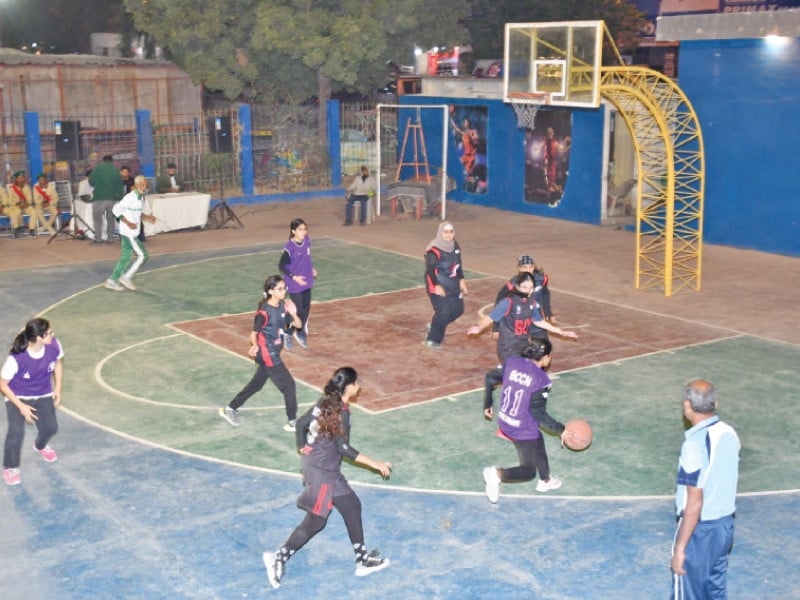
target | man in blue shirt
[{"x": 708, "y": 474}]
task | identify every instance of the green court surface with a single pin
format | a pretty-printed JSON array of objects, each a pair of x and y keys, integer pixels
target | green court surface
[{"x": 131, "y": 372}]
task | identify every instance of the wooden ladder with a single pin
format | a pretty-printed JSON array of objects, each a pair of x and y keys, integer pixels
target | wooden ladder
[{"x": 420, "y": 159}]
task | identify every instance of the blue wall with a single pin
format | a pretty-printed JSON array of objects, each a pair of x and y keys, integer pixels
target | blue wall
[
  {"x": 746, "y": 94},
  {"x": 506, "y": 161}
]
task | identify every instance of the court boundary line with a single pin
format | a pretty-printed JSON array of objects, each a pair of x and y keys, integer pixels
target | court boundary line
[{"x": 398, "y": 488}]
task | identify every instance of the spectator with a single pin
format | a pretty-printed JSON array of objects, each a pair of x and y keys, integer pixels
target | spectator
[
  {"x": 360, "y": 190},
  {"x": 45, "y": 203},
  {"x": 107, "y": 191},
  {"x": 20, "y": 194},
  {"x": 169, "y": 182},
  {"x": 12, "y": 210}
]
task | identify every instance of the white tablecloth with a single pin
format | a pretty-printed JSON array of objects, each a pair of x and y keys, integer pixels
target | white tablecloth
[
  {"x": 176, "y": 211},
  {"x": 172, "y": 211}
]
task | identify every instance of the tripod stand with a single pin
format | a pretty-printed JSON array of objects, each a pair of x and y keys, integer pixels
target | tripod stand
[
  {"x": 222, "y": 214},
  {"x": 68, "y": 227}
]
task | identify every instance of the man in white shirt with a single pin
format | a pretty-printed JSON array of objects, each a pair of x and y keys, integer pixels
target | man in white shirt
[{"x": 362, "y": 188}]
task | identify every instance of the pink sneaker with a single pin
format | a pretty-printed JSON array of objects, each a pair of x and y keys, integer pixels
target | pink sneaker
[
  {"x": 47, "y": 453},
  {"x": 11, "y": 476}
]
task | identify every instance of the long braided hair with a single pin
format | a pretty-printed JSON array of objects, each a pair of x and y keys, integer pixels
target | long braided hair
[{"x": 330, "y": 418}]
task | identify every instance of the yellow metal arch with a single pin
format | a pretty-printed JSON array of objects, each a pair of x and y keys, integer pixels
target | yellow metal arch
[{"x": 671, "y": 176}]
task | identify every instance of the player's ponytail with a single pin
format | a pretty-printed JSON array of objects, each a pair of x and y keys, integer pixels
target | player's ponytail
[{"x": 33, "y": 329}]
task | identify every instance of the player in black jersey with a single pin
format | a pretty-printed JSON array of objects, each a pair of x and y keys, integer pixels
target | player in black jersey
[
  {"x": 323, "y": 439},
  {"x": 518, "y": 318},
  {"x": 266, "y": 342},
  {"x": 444, "y": 282}
]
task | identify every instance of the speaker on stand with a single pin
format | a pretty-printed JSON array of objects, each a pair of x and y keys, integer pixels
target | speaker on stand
[
  {"x": 219, "y": 134},
  {"x": 221, "y": 140},
  {"x": 68, "y": 140}
]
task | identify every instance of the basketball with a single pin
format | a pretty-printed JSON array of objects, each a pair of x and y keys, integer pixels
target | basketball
[{"x": 579, "y": 435}]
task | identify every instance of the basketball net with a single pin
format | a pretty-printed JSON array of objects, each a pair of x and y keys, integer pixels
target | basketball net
[{"x": 526, "y": 112}]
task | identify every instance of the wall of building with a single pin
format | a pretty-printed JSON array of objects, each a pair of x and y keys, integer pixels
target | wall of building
[
  {"x": 505, "y": 144},
  {"x": 745, "y": 94},
  {"x": 105, "y": 91}
]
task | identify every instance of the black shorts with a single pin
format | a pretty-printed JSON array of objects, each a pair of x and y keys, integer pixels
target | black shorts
[{"x": 321, "y": 488}]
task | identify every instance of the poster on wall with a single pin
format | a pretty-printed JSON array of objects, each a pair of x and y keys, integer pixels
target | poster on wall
[
  {"x": 468, "y": 129},
  {"x": 547, "y": 151}
]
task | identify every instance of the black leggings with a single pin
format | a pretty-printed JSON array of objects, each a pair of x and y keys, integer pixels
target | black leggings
[
  {"x": 46, "y": 425},
  {"x": 282, "y": 379},
  {"x": 532, "y": 458},
  {"x": 302, "y": 301},
  {"x": 349, "y": 506}
]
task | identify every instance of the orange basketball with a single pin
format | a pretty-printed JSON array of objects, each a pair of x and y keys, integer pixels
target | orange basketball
[{"x": 579, "y": 434}]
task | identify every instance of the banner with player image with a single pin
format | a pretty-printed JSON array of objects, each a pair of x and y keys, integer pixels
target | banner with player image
[
  {"x": 547, "y": 150},
  {"x": 468, "y": 128}
]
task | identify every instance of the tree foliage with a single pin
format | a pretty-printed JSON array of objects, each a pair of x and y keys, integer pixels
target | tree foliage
[
  {"x": 292, "y": 50},
  {"x": 486, "y": 25}
]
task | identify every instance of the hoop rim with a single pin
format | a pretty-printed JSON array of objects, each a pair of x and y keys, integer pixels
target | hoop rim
[{"x": 532, "y": 97}]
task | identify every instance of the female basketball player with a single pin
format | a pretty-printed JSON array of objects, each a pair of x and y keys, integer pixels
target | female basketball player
[
  {"x": 323, "y": 438},
  {"x": 266, "y": 342},
  {"x": 298, "y": 269},
  {"x": 444, "y": 282},
  {"x": 523, "y": 410},
  {"x": 30, "y": 380}
]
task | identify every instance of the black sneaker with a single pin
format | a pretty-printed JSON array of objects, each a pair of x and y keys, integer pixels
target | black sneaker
[
  {"x": 274, "y": 568},
  {"x": 371, "y": 564},
  {"x": 287, "y": 341}
]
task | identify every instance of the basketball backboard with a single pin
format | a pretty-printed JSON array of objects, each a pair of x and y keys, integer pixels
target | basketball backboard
[{"x": 554, "y": 63}]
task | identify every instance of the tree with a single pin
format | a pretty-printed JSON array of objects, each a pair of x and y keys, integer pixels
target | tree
[
  {"x": 293, "y": 50},
  {"x": 486, "y": 25}
]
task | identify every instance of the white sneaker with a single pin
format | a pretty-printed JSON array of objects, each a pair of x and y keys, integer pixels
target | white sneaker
[
  {"x": 274, "y": 568},
  {"x": 492, "y": 480},
  {"x": 371, "y": 564},
  {"x": 126, "y": 281},
  {"x": 290, "y": 426},
  {"x": 112, "y": 285},
  {"x": 230, "y": 416},
  {"x": 551, "y": 484}
]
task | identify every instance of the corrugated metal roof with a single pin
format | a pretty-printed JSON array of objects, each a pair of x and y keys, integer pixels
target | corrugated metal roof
[{"x": 11, "y": 56}]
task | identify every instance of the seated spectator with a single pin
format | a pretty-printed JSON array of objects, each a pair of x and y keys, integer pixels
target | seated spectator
[
  {"x": 127, "y": 178},
  {"x": 169, "y": 182},
  {"x": 45, "y": 203}
]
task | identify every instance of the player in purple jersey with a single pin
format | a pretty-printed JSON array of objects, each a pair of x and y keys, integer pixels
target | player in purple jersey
[
  {"x": 523, "y": 411},
  {"x": 30, "y": 380},
  {"x": 298, "y": 271},
  {"x": 323, "y": 439}
]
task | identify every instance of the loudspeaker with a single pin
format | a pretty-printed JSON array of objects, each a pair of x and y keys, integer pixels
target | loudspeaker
[
  {"x": 68, "y": 140},
  {"x": 219, "y": 134}
]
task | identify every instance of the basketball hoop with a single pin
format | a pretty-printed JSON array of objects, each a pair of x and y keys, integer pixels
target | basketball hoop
[{"x": 526, "y": 112}]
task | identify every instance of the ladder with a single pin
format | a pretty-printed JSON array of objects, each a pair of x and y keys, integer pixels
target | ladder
[{"x": 419, "y": 161}]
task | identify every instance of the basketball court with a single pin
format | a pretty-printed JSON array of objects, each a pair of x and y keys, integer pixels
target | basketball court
[{"x": 154, "y": 495}]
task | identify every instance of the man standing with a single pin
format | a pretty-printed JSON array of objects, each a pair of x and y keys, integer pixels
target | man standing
[
  {"x": 708, "y": 475},
  {"x": 169, "y": 182},
  {"x": 108, "y": 189}
]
